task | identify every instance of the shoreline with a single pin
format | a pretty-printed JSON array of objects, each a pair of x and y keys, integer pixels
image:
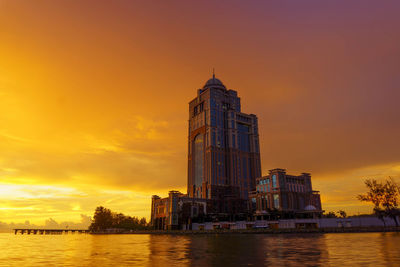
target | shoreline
[{"x": 258, "y": 231}]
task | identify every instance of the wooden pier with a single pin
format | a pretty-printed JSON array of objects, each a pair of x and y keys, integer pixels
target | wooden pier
[{"x": 49, "y": 231}]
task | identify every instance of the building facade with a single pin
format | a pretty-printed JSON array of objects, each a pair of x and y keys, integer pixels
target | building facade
[
  {"x": 223, "y": 147},
  {"x": 224, "y": 171},
  {"x": 286, "y": 194},
  {"x": 176, "y": 211}
]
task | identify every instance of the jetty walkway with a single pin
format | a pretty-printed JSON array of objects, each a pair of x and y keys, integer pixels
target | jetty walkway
[{"x": 49, "y": 231}]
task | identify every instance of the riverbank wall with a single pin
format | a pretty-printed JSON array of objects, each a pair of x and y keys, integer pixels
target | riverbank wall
[
  {"x": 317, "y": 225},
  {"x": 261, "y": 231},
  {"x": 350, "y": 222}
]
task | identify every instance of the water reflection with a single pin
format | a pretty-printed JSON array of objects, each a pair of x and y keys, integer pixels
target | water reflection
[
  {"x": 305, "y": 250},
  {"x": 373, "y": 249},
  {"x": 106, "y": 250},
  {"x": 169, "y": 250},
  {"x": 219, "y": 250},
  {"x": 389, "y": 248},
  {"x": 376, "y": 249}
]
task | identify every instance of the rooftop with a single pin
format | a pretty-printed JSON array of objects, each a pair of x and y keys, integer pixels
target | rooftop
[{"x": 214, "y": 83}]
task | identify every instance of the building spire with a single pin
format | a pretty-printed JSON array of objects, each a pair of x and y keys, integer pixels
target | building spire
[{"x": 213, "y": 73}]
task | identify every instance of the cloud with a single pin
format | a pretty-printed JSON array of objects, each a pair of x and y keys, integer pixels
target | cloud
[
  {"x": 50, "y": 223},
  {"x": 89, "y": 118},
  {"x": 115, "y": 158},
  {"x": 35, "y": 202},
  {"x": 339, "y": 190}
]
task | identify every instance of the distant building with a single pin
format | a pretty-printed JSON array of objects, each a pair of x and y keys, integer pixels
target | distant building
[
  {"x": 223, "y": 148},
  {"x": 289, "y": 195}
]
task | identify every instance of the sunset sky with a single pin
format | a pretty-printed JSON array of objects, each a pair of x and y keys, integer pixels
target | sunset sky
[{"x": 94, "y": 96}]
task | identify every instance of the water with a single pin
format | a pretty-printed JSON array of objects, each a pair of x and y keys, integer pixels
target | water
[{"x": 366, "y": 249}]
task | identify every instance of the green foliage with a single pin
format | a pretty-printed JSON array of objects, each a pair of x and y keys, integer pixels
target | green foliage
[
  {"x": 384, "y": 196},
  {"x": 342, "y": 214},
  {"x": 330, "y": 214},
  {"x": 105, "y": 219}
]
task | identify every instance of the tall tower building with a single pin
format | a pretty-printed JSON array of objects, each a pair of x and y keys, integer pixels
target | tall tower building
[{"x": 223, "y": 148}]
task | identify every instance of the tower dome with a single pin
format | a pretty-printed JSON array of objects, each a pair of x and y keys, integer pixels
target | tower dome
[
  {"x": 310, "y": 208},
  {"x": 214, "y": 83}
]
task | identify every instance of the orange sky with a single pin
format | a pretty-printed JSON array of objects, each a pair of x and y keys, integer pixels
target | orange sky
[{"x": 94, "y": 96}]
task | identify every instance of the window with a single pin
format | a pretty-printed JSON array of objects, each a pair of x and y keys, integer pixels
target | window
[
  {"x": 220, "y": 120},
  {"x": 213, "y": 119},
  {"x": 243, "y": 127},
  {"x": 213, "y": 138},
  {"x": 212, "y": 103},
  {"x": 243, "y": 137},
  {"x": 253, "y": 203},
  {"x": 219, "y": 167},
  {"x": 198, "y": 160},
  {"x": 214, "y": 168},
  {"x": 250, "y": 168},
  {"x": 257, "y": 146},
  {"x": 276, "y": 201},
  {"x": 198, "y": 109},
  {"x": 244, "y": 168},
  {"x": 284, "y": 201},
  {"x": 274, "y": 181}
]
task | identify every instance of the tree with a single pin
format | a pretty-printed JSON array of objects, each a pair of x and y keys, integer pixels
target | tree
[
  {"x": 104, "y": 219},
  {"x": 342, "y": 213},
  {"x": 381, "y": 214},
  {"x": 330, "y": 214},
  {"x": 143, "y": 222},
  {"x": 384, "y": 196}
]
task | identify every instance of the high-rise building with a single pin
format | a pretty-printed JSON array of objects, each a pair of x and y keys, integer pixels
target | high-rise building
[
  {"x": 223, "y": 147},
  {"x": 224, "y": 171}
]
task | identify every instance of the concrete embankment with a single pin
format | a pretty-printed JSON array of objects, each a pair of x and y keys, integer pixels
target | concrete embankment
[{"x": 261, "y": 231}]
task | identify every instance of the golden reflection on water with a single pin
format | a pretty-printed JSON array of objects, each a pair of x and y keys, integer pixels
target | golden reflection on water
[{"x": 373, "y": 249}]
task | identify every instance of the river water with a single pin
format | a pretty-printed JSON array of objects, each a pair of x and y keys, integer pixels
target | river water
[{"x": 348, "y": 249}]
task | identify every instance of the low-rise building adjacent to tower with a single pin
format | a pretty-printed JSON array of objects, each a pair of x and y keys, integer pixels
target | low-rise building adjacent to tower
[
  {"x": 177, "y": 211},
  {"x": 282, "y": 195}
]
